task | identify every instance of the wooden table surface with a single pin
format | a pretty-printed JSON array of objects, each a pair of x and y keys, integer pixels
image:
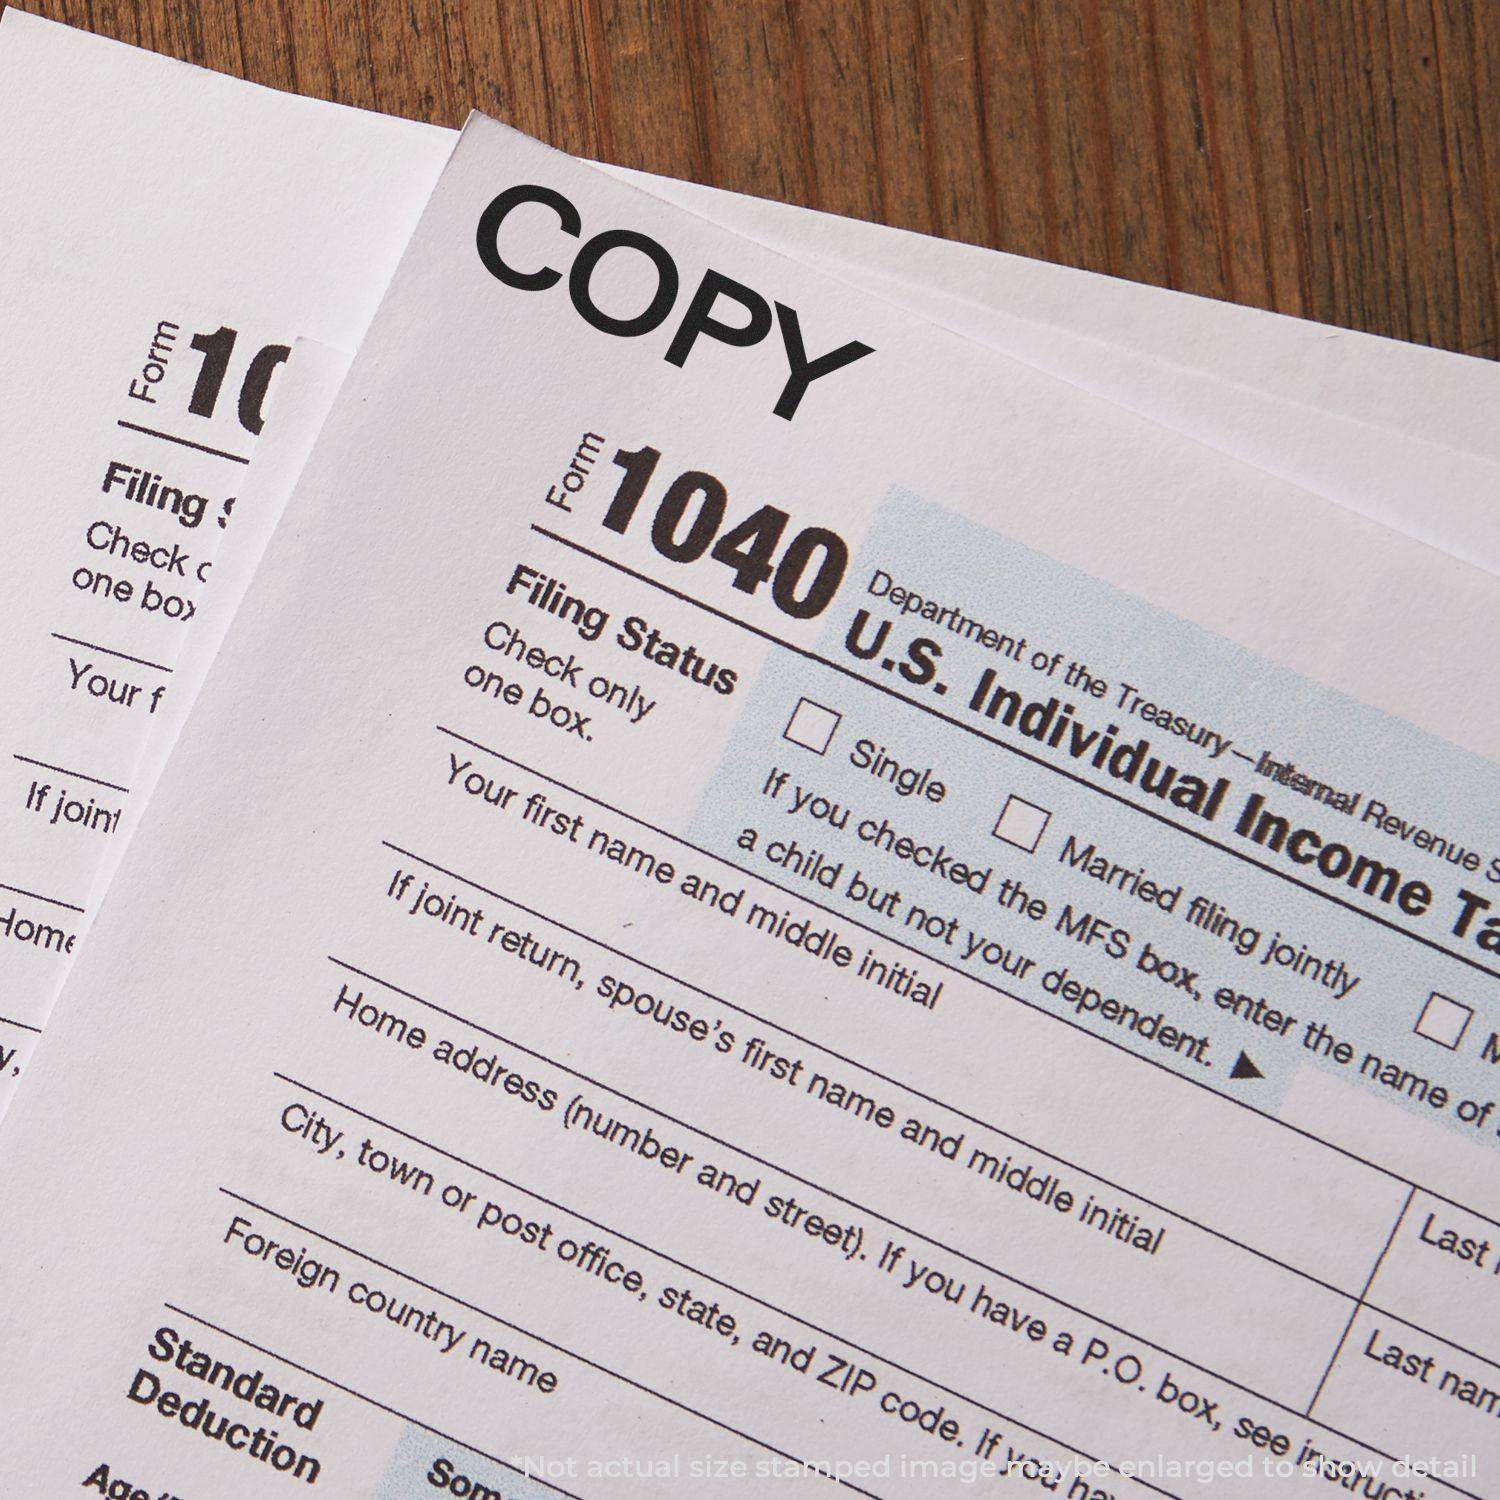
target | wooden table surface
[{"x": 1336, "y": 159}]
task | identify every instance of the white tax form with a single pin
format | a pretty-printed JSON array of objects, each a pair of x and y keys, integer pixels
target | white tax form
[
  {"x": 243, "y": 201},
  {"x": 167, "y": 234},
  {"x": 758, "y": 893}
]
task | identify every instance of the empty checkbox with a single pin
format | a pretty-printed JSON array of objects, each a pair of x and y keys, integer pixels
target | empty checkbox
[
  {"x": 811, "y": 726},
  {"x": 1022, "y": 823},
  {"x": 1443, "y": 1021}
]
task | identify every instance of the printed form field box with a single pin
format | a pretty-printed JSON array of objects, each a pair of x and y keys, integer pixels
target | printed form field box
[
  {"x": 811, "y": 726},
  {"x": 1022, "y": 823},
  {"x": 1444, "y": 1021}
]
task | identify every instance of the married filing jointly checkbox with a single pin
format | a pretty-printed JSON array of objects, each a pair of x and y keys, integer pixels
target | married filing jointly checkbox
[
  {"x": 1444, "y": 1021},
  {"x": 811, "y": 726},
  {"x": 1022, "y": 823}
]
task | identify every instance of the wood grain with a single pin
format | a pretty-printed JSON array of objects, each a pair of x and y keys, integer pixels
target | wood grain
[{"x": 1335, "y": 159}]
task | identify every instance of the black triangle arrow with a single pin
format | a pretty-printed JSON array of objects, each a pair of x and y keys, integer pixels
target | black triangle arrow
[{"x": 1244, "y": 1068}]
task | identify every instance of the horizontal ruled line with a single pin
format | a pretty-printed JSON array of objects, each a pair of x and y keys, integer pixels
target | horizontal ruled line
[
  {"x": 47, "y": 765},
  {"x": 140, "y": 661},
  {"x": 182, "y": 442},
  {"x": 17, "y": 890}
]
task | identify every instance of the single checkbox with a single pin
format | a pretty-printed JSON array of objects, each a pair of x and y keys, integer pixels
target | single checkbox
[
  {"x": 1022, "y": 823},
  {"x": 1444, "y": 1021},
  {"x": 811, "y": 726}
]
